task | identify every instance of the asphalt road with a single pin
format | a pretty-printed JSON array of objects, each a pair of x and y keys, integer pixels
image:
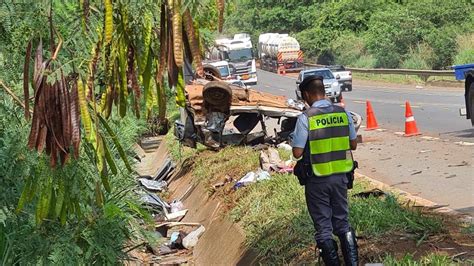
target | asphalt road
[
  {"x": 436, "y": 111},
  {"x": 439, "y": 169}
]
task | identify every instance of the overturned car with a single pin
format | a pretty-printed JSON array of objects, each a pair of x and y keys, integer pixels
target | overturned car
[{"x": 218, "y": 114}]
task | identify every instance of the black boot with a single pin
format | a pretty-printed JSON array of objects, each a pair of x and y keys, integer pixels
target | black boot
[
  {"x": 328, "y": 251},
  {"x": 349, "y": 248}
]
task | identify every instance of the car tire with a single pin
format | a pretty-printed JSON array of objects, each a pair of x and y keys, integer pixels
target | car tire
[
  {"x": 218, "y": 94},
  {"x": 470, "y": 103},
  {"x": 349, "y": 88}
]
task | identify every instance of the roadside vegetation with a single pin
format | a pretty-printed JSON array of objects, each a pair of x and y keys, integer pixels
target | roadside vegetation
[
  {"x": 422, "y": 34},
  {"x": 91, "y": 233},
  {"x": 96, "y": 76},
  {"x": 274, "y": 212}
]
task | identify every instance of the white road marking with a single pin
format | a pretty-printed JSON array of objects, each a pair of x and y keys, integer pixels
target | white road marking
[
  {"x": 464, "y": 143},
  {"x": 429, "y": 138},
  {"x": 412, "y": 106},
  {"x": 356, "y": 101}
]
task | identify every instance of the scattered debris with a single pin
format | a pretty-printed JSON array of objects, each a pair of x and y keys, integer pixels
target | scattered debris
[
  {"x": 425, "y": 151},
  {"x": 464, "y": 143},
  {"x": 192, "y": 238},
  {"x": 227, "y": 179},
  {"x": 154, "y": 201},
  {"x": 175, "y": 215},
  {"x": 284, "y": 146},
  {"x": 451, "y": 176},
  {"x": 153, "y": 185},
  {"x": 417, "y": 172},
  {"x": 400, "y": 183},
  {"x": 176, "y": 240},
  {"x": 165, "y": 250},
  {"x": 374, "y": 193},
  {"x": 463, "y": 163},
  {"x": 171, "y": 224},
  {"x": 176, "y": 206},
  {"x": 386, "y": 159},
  {"x": 252, "y": 177}
]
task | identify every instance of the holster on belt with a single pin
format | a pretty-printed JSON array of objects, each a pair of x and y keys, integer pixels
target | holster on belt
[
  {"x": 301, "y": 171},
  {"x": 350, "y": 175}
]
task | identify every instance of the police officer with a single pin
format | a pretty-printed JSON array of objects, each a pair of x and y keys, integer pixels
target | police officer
[{"x": 324, "y": 135}]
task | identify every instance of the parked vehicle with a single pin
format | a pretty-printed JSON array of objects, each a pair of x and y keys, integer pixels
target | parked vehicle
[
  {"x": 279, "y": 50},
  {"x": 331, "y": 85},
  {"x": 343, "y": 76},
  {"x": 239, "y": 55},
  {"x": 466, "y": 72}
]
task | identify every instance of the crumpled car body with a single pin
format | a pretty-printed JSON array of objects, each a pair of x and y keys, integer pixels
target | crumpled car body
[{"x": 218, "y": 114}]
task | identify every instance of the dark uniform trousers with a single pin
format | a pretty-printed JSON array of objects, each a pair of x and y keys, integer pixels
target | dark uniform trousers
[{"x": 326, "y": 198}]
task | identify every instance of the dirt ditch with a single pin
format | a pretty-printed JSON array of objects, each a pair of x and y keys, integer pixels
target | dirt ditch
[{"x": 223, "y": 242}]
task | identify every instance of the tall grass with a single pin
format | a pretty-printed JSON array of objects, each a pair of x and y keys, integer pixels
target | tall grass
[
  {"x": 465, "y": 51},
  {"x": 273, "y": 213}
]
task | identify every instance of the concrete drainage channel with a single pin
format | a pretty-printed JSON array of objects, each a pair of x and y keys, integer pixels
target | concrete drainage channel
[{"x": 190, "y": 225}]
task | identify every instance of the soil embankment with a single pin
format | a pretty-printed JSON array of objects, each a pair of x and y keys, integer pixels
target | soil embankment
[{"x": 223, "y": 241}]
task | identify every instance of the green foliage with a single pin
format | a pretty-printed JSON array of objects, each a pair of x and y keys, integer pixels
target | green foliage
[
  {"x": 349, "y": 49},
  {"x": 374, "y": 216},
  {"x": 363, "y": 33},
  {"x": 419, "y": 57},
  {"x": 433, "y": 259},
  {"x": 91, "y": 234},
  {"x": 274, "y": 212},
  {"x": 465, "y": 52},
  {"x": 443, "y": 42}
]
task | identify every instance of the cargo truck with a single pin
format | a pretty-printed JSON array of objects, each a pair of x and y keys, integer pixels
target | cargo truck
[
  {"x": 238, "y": 52},
  {"x": 466, "y": 72},
  {"x": 277, "y": 51}
]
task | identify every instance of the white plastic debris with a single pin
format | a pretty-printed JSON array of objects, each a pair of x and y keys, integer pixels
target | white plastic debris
[
  {"x": 284, "y": 146},
  {"x": 176, "y": 215},
  {"x": 192, "y": 238},
  {"x": 176, "y": 206},
  {"x": 262, "y": 175},
  {"x": 250, "y": 177}
]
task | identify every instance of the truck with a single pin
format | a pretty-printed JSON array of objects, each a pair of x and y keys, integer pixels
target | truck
[
  {"x": 343, "y": 75},
  {"x": 277, "y": 51},
  {"x": 466, "y": 72},
  {"x": 238, "y": 52}
]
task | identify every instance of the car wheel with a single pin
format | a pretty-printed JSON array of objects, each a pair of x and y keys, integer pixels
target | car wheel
[
  {"x": 470, "y": 103},
  {"x": 349, "y": 88}
]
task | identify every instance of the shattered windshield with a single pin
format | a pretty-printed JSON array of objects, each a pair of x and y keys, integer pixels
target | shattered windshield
[{"x": 240, "y": 55}]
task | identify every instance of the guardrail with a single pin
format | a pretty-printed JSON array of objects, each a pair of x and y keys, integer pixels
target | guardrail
[{"x": 423, "y": 74}]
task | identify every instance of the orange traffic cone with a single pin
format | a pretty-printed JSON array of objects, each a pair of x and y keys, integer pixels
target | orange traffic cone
[
  {"x": 410, "y": 123},
  {"x": 371, "y": 121}
]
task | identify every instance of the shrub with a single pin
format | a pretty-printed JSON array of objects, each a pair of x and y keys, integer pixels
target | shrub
[
  {"x": 419, "y": 57},
  {"x": 348, "y": 48},
  {"x": 96, "y": 235},
  {"x": 465, "y": 52},
  {"x": 366, "y": 61},
  {"x": 443, "y": 42}
]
